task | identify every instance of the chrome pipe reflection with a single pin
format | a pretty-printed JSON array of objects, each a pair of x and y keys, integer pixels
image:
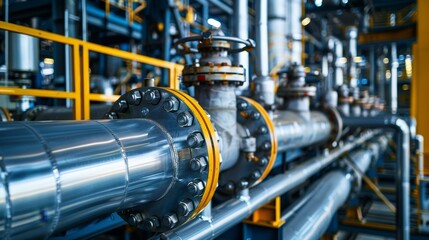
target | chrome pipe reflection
[
  {"x": 294, "y": 130},
  {"x": 56, "y": 175}
]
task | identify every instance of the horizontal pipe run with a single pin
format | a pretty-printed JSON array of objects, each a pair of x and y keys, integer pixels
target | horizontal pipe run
[
  {"x": 312, "y": 220},
  {"x": 56, "y": 175},
  {"x": 310, "y": 216},
  {"x": 230, "y": 213},
  {"x": 402, "y": 129},
  {"x": 294, "y": 130}
]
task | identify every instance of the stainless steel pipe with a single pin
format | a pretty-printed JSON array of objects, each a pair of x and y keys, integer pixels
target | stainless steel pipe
[
  {"x": 402, "y": 129},
  {"x": 56, "y": 175},
  {"x": 264, "y": 85},
  {"x": 229, "y": 213},
  {"x": 294, "y": 130},
  {"x": 322, "y": 201},
  {"x": 262, "y": 38},
  {"x": 277, "y": 43},
  {"x": 312, "y": 220},
  {"x": 241, "y": 29}
]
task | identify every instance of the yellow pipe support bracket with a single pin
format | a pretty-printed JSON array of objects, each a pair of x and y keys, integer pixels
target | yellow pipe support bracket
[{"x": 268, "y": 215}]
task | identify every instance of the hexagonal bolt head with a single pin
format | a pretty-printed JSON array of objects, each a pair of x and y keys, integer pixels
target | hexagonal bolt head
[
  {"x": 266, "y": 146},
  {"x": 134, "y": 97},
  {"x": 171, "y": 104},
  {"x": 135, "y": 219},
  {"x": 112, "y": 115},
  {"x": 152, "y": 96},
  {"x": 263, "y": 161},
  {"x": 198, "y": 164},
  {"x": 121, "y": 106},
  {"x": 229, "y": 187},
  {"x": 170, "y": 220},
  {"x": 255, "y": 175},
  {"x": 243, "y": 184},
  {"x": 255, "y": 115},
  {"x": 185, "y": 207},
  {"x": 195, "y": 140},
  {"x": 242, "y": 106},
  {"x": 196, "y": 187},
  {"x": 262, "y": 130},
  {"x": 185, "y": 119},
  {"x": 145, "y": 111},
  {"x": 151, "y": 223}
]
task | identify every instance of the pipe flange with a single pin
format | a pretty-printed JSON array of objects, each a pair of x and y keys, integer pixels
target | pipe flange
[
  {"x": 253, "y": 165},
  {"x": 213, "y": 73},
  {"x": 292, "y": 92},
  {"x": 336, "y": 123},
  {"x": 196, "y": 157}
]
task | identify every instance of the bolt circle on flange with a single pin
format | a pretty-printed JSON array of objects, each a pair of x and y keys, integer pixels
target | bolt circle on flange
[
  {"x": 180, "y": 116},
  {"x": 251, "y": 170}
]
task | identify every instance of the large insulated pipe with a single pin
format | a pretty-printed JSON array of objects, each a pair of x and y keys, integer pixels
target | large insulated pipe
[
  {"x": 155, "y": 174},
  {"x": 231, "y": 212},
  {"x": 401, "y": 127},
  {"x": 323, "y": 200},
  {"x": 56, "y": 175},
  {"x": 293, "y": 130}
]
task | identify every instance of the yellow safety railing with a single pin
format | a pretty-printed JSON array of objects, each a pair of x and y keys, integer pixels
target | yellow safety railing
[
  {"x": 127, "y": 6},
  {"x": 80, "y": 93}
]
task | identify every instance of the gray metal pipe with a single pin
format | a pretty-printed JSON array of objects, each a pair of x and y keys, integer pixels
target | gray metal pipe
[
  {"x": 56, "y": 175},
  {"x": 394, "y": 81},
  {"x": 351, "y": 35},
  {"x": 277, "y": 42},
  {"x": 229, "y": 213},
  {"x": 220, "y": 102},
  {"x": 403, "y": 165},
  {"x": 294, "y": 130},
  {"x": 310, "y": 216},
  {"x": 420, "y": 154},
  {"x": 312, "y": 220},
  {"x": 261, "y": 38},
  {"x": 264, "y": 86},
  {"x": 294, "y": 28},
  {"x": 241, "y": 29}
]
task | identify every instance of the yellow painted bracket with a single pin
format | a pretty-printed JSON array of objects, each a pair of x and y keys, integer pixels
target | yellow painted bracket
[
  {"x": 268, "y": 215},
  {"x": 81, "y": 94}
]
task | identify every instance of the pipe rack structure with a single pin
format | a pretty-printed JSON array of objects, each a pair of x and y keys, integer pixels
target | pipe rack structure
[{"x": 403, "y": 165}]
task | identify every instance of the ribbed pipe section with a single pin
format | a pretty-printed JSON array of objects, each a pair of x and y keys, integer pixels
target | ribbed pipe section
[{"x": 56, "y": 175}]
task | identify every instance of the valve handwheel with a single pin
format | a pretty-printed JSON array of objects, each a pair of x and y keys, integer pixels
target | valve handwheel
[{"x": 207, "y": 38}]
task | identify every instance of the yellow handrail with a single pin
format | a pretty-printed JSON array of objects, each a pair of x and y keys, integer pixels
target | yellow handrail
[{"x": 80, "y": 94}]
